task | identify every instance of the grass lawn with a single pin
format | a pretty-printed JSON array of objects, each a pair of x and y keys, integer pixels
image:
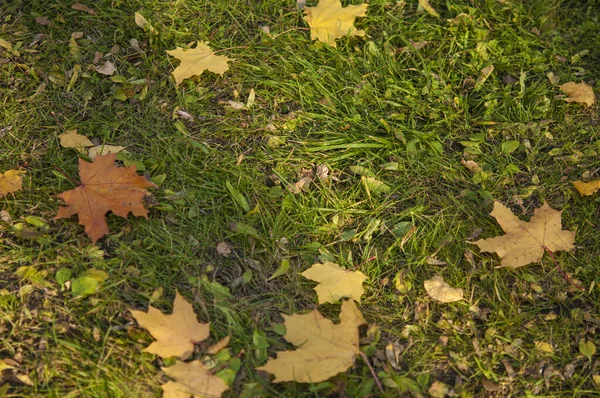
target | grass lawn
[{"x": 386, "y": 106}]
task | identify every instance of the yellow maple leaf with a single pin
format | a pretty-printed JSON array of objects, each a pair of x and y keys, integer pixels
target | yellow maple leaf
[
  {"x": 324, "y": 349},
  {"x": 580, "y": 92},
  {"x": 335, "y": 282},
  {"x": 175, "y": 334},
  {"x": 439, "y": 290},
  {"x": 525, "y": 242},
  {"x": 192, "y": 379},
  {"x": 328, "y": 20},
  {"x": 196, "y": 60},
  {"x": 11, "y": 181},
  {"x": 586, "y": 188}
]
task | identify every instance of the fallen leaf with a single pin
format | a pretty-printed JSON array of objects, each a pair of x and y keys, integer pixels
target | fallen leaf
[
  {"x": 218, "y": 346},
  {"x": 83, "y": 7},
  {"x": 413, "y": 46},
  {"x": 525, "y": 242},
  {"x": 192, "y": 379},
  {"x": 329, "y": 21},
  {"x": 554, "y": 80},
  {"x": 104, "y": 187},
  {"x": 251, "y": 99},
  {"x": 483, "y": 76},
  {"x": 104, "y": 150},
  {"x": 374, "y": 185},
  {"x": 223, "y": 249},
  {"x": 143, "y": 23},
  {"x": 324, "y": 349},
  {"x": 322, "y": 172},
  {"x": 194, "y": 61},
  {"x": 303, "y": 183},
  {"x": 175, "y": 334},
  {"x": 586, "y": 188},
  {"x": 439, "y": 290},
  {"x": 6, "y": 44},
  {"x": 71, "y": 139},
  {"x": 43, "y": 21},
  {"x": 438, "y": 389},
  {"x": 11, "y": 181},
  {"x": 580, "y": 92},
  {"x": 97, "y": 57},
  {"x": 335, "y": 282},
  {"x": 424, "y": 4},
  {"x": 236, "y": 104},
  {"x": 544, "y": 347},
  {"x": 471, "y": 165},
  {"x": 108, "y": 69}
]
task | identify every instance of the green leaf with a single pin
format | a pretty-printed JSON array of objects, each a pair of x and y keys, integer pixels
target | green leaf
[
  {"x": 587, "y": 348},
  {"x": 510, "y": 146},
  {"x": 283, "y": 267},
  {"x": 374, "y": 185},
  {"x": 238, "y": 197},
  {"x": 84, "y": 286},
  {"x": 63, "y": 275},
  {"x": 260, "y": 345},
  {"x": 244, "y": 229}
]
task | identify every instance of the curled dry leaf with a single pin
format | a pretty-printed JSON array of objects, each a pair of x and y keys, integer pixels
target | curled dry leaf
[
  {"x": 192, "y": 379},
  {"x": 335, "y": 282},
  {"x": 11, "y": 181},
  {"x": 324, "y": 349},
  {"x": 175, "y": 334},
  {"x": 579, "y": 92},
  {"x": 586, "y": 188},
  {"x": 194, "y": 61},
  {"x": 439, "y": 290},
  {"x": 525, "y": 242},
  {"x": 329, "y": 21}
]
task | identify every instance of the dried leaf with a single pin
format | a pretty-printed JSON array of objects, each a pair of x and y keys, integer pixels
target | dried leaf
[
  {"x": 471, "y": 165},
  {"x": 11, "y": 181},
  {"x": 218, "y": 346},
  {"x": 324, "y": 349},
  {"x": 580, "y": 92},
  {"x": 525, "y": 242},
  {"x": 424, "y": 4},
  {"x": 175, "y": 334},
  {"x": 192, "y": 379},
  {"x": 586, "y": 188},
  {"x": 104, "y": 187},
  {"x": 43, "y": 21},
  {"x": 483, "y": 76},
  {"x": 335, "y": 282},
  {"x": 104, "y": 150},
  {"x": 83, "y": 7},
  {"x": 329, "y": 21},
  {"x": 223, "y": 249},
  {"x": 322, "y": 172},
  {"x": 108, "y": 69},
  {"x": 71, "y": 139},
  {"x": 439, "y": 290},
  {"x": 194, "y": 61}
]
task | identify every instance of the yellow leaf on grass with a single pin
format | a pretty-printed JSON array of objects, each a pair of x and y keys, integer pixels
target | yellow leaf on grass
[
  {"x": 580, "y": 92},
  {"x": 104, "y": 150},
  {"x": 194, "y": 61},
  {"x": 324, "y": 349},
  {"x": 192, "y": 379},
  {"x": 525, "y": 242},
  {"x": 175, "y": 334},
  {"x": 335, "y": 282},
  {"x": 329, "y": 21},
  {"x": 71, "y": 139},
  {"x": 439, "y": 290},
  {"x": 424, "y": 4},
  {"x": 11, "y": 181},
  {"x": 586, "y": 188}
]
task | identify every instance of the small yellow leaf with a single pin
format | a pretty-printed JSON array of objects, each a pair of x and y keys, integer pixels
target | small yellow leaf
[
  {"x": 424, "y": 4},
  {"x": 104, "y": 150},
  {"x": 140, "y": 20},
  {"x": 439, "y": 290},
  {"x": 175, "y": 334},
  {"x": 586, "y": 188},
  {"x": 580, "y": 92},
  {"x": 11, "y": 181},
  {"x": 329, "y": 21},
  {"x": 544, "y": 347},
  {"x": 324, "y": 349},
  {"x": 335, "y": 282},
  {"x": 192, "y": 379},
  {"x": 218, "y": 346},
  {"x": 194, "y": 61},
  {"x": 71, "y": 139},
  {"x": 525, "y": 242}
]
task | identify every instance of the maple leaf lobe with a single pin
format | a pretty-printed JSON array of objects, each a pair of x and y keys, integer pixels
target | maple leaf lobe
[
  {"x": 104, "y": 187},
  {"x": 329, "y": 21},
  {"x": 194, "y": 61},
  {"x": 335, "y": 282}
]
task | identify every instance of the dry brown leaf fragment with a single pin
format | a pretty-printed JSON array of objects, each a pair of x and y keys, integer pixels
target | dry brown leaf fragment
[
  {"x": 104, "y": 187},
  {"x": 324, "y": 349},
  {"x": 322, "y": 172},
  {"x": 218, "y": 346},
  {"x": 192, "y": 379},
  {"x": 176, "y": 333},
  {"x": 108, "y": 69},
  {"x": 11, "y": 181},
  {"x": 329, "y": 21},
  {"x": 43, "y": 21},
  {"x": 194, "y": 61},
  {"x": 83, "y": 7},
  {"x": 303, "y": 183},
  {"x": 471, "y": 165},
  {"x": 579, "y": 92},
  {"x": 525, "y": 242},
  {"x": 439, "y": 290},
  {"x": 483, "y": 76},
  {"x": 71, "y": 139},
  {"x": 223, "y": 249},
  {"x": 104, "y": 150},
  {"x": 586, "y": 188},
  {"x": 335, "y": 282}
]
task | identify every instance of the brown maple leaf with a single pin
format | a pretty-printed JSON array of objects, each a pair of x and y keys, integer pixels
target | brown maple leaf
[{"x": 104, "y": 187}]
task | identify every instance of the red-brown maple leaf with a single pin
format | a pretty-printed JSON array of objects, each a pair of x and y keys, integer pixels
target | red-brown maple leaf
[{"x": 104, "y": 187}]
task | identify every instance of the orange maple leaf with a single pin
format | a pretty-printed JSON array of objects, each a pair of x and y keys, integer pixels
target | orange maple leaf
[{"x": 104, "y": 187}]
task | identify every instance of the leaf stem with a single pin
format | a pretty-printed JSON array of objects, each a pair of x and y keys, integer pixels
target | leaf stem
[{"x": 364, "y": 357}]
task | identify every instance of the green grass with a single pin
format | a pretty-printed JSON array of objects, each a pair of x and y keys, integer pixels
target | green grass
[{"x": 406, "y": 117}]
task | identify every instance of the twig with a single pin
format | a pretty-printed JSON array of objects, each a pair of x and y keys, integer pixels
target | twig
[
  {"x": 562, "y": 272},
  {"x": 364, "y": 357}
]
